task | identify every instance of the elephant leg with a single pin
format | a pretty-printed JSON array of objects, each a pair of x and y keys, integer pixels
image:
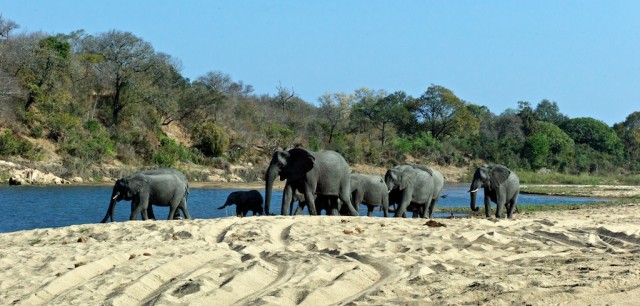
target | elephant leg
[
  {"x": 173, "y": 210},
  {"x": 401, "y": 211},
  {"x": 182, "y": 206},
  {"x": 136, "y": 208},
  {"x": 310, "y": 201},
  {"x": 385, "y": 208},
  {"x": 345, "y": 196},
  {"x": 434, "y": 201},
  {"x": 500, "y": 203},
  {"x": 430, "y": 212},
  {"x": 370, "y": 210},
  {"x": 291, "y": 208},
  {"x": 487, "y": 205},
  {"x": 299, "y": 208},
  {"x": 287, "y": 199},
  {"x": 512, "y": 206}
]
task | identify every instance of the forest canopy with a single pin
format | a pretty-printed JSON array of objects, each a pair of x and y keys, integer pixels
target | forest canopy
[{"x": 107, "y": 96}]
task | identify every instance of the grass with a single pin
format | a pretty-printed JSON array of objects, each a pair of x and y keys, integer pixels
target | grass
[
  {"x": 527, "y": 177},
  {"x": 524, "y": 209}
]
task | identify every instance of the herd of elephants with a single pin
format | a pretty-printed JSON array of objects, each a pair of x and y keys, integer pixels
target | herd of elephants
[{"x": 321, "y": 181}]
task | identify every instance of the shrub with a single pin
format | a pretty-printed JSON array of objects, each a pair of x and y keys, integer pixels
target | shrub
[
  {"x": 12, "y": 145},
  {"x": 169, "y": 153},
  {"x": 210, "y": 139}
]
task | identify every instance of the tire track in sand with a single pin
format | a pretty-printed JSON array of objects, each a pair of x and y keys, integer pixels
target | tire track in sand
[
  {"x": 278, "y": 235},
  {"x": 387, "y": 275},
  {"x": 73, "y": 279},
  {"x": 144, "y": 287}
]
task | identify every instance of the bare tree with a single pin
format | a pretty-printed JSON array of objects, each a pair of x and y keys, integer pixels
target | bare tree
[
  {"x": 6, "y": 26},
  {"x": 124, "y": 57},
  {"x": 335, "y": 108},
  {"x": 284, "y": 96}
]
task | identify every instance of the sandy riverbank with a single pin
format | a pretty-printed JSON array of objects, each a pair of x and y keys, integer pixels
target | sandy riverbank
[{"x": 578, "y": 257}]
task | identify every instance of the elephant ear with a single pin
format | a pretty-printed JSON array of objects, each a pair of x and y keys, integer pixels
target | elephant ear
[
  {"x": 300, "y": 162},
  {"x": 498, "y": 175},
  {"x": 136, "y": 183},
  {"x": 404, "y": 177}
]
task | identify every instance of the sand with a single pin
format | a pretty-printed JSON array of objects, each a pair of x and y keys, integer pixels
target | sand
[{"x": 577, "y": 257}]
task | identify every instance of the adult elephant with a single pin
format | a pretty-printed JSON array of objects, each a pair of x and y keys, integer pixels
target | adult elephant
[
  {"x": 370, "y": 190},
  {"x": 415, "y": 185},
  {"x": 144, "y": 190},
  {"x": 245, "y": 201},
  {"x": 323, "y": 173},
  {"x": 501, "y": 186},
  {"x": 150, "y": 213}
]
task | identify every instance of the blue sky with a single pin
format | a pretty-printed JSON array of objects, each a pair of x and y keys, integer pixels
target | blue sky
[{"x": 585, "y": 55}]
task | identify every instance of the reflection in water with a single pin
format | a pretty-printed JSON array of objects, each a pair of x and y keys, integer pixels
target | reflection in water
[{"x": 29, "y": 207}]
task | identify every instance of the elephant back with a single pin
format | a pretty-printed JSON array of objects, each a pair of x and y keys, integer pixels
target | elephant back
[{"x": 332, "y": 172}]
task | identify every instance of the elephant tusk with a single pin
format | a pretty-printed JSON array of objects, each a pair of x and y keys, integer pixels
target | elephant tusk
[{"x": 473, "y": 191}]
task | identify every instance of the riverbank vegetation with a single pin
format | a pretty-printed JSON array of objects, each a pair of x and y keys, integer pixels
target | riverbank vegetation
[{"x": 111, "y": 98}]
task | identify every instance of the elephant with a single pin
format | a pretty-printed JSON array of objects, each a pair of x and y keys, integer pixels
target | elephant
[
  {"x": 245, "y": 201},
  {"x": 370, "y": 190},
  {"x": 501, "y": 186},
  {"x": 144, "y": 190},
  {"x": 323, "y": 203},
  {"x": 414, "y": 186},
  {"x": 150, "y": 213},
  {"x": 322, "y": 173}
]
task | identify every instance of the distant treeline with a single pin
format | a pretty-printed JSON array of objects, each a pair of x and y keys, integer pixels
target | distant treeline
[{"x": 107, "y": 96}]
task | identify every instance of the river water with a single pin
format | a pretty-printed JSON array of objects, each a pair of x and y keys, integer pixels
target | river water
[{"x": 30, "y": 207}]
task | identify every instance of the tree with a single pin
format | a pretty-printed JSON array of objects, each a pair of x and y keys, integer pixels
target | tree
[
  {"x": 528, "y": 116},
  {"x": 629, "y": 132},
  {"x": 124, "y": 56},
  {"x": 6, "y": 26},
  {"x": 41, "y": 65},
  {"x": 550, "y": 112},
  {"x": 594, "y": 133},
  {"x": 443, "y": 114},
  {"x": 548, "y": 146},
  {"x": 375, "y": 109},
  {"x": 284, "y": 96},
  {"x": 335, "y": 109}
]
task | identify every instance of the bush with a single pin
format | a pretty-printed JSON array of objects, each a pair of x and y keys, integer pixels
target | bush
[
  {"x": 12, "y": 145},
  {"x": 169, "y": 153},
  {"x": 211, "y": 139},
  {"x": 92, "y": 144}
]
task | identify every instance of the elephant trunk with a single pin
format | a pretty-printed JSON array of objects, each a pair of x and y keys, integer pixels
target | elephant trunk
[
  {"x": 269, "y": 178},
  {"x": 112, "y": 205},
  {"x": 473, "y": 192},
  {"x": 229, "y": 202}
]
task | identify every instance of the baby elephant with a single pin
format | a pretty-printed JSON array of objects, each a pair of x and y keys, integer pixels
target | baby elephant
[{"x": 245, "y": 201}]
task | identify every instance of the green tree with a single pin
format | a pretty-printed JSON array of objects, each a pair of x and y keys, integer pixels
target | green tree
[
  {"x": 528, "y": 117},
  {"x": 594, "y": 133},
  {"x": 444, "y": 114},
  {"x": 629, "y": 132},
  {"x": 124, "y": 57},
  {"x": 45, "y": 70},
  {"x": 550, "y": 112},
  {"x": 375, "y": 109},
  {"x": 548, "y": 146}
]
